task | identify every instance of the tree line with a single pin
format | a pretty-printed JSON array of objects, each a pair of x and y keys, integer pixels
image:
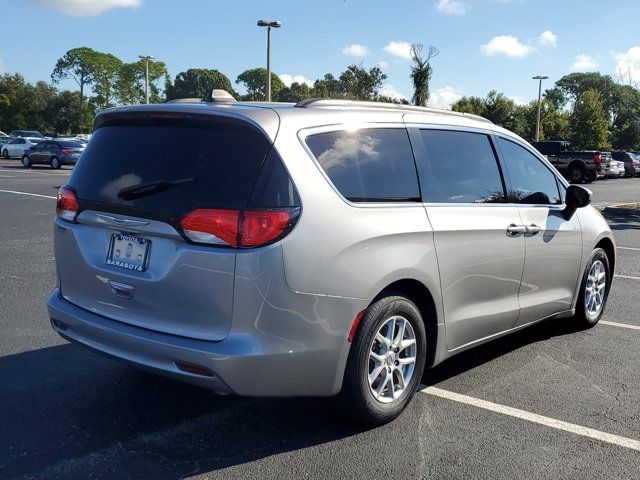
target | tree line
[{"x": 591, "y": 110}]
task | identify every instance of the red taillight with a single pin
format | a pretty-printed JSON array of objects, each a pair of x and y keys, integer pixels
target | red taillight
[
  {"x": 598, "y": 158},
  {"x": 207, "y": 225},
  {"x": 66, "y": 151},
  {"x": 260, "y": 227},
  {"x": 67, "y": 206},
  {"x": 235, "y": 228}
]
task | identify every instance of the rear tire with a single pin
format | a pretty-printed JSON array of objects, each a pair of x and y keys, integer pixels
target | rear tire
[
  {"x": 5, "y": 153},
  {"x": 55, "y": 163},
  {"x": 378, "y": 346},
  {"x": 594, "y": 289},
  {"x": 576, "y": 175},
  {"x": 26, "y": 163}
]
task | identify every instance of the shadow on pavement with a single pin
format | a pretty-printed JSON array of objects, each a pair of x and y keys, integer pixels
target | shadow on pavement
[
  {"x": 623, "y": 219},
  {"x": 68, "y": 413}
]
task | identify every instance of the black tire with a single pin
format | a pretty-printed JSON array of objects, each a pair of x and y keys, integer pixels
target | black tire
[
  {"x": 356, "y": 396},
  {"x": 583, "y": 316},
  {"x": 590, "y": 177},
  {"x": 26, "y": 162},
  {"x": 576, "y": 175},
  {"x": 55, "y": 163},
  {"x": 5, "y": 153}
]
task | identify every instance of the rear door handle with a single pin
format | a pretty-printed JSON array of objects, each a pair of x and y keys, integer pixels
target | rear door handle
[
  {"x": 514, "y": 229},
  {"x": 533, "y": 229}
]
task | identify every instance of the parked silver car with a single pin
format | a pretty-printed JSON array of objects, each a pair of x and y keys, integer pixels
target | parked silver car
[{"x": 323, "y": 248}]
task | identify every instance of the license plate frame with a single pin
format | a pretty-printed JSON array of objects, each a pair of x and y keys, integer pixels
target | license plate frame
[{"x": 128, "y": 252}]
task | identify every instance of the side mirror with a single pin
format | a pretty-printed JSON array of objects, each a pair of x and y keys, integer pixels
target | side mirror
[{"x": 576, "y": 197}]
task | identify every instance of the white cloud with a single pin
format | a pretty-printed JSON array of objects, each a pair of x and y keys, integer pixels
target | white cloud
[
  {"x": 399, "y": 49},
  {"x": 355, "y": 50},
  {"x": 383, "y": 65},
  {"x": 444, "y": 97},
  {"x": 2, "y": 67},
  {"x": 507, "y": 45},
  {"x": 289, "y": 79},
  {"x": 628, "y": 64},
  {"x": 548, "y": 39},
  {"x": 584, "y": 62},
  {"x": 518, "y": 100},
  {"x": 390, "y": 91},
  {"x": 452, "y": 7},
  {"x": 81, "y": 8}
]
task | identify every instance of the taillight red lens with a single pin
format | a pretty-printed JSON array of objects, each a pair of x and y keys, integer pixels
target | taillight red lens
[
  {"x": 597, "y": 158},
  {"x": 246, "y": 229},
  {"x": 207, "y": 225},
  {"x": 67, "y": 205},
  {"x": 260, "y": 227},
  {"x": 66, "y": 151}
]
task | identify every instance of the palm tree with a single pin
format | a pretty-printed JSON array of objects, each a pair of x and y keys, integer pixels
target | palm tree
[{"x": 421, "y": 71}]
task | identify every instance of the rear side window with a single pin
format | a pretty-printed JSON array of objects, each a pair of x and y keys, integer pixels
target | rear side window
[
  {"x": 368, "y": 165},
  {"x": 461, "y": 168},
  {"x": 213, "y": 162},
  {"x": 531, "y": 181}
]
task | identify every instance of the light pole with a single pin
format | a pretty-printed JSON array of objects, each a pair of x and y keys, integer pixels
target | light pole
[
  {"x": 539, "y": 78},
  {"x": 269, "y": 25},
  {"x": 146, "y": 74}
]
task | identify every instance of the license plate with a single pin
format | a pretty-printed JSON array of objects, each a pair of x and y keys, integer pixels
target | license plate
[{"x": 128, "y": 252}]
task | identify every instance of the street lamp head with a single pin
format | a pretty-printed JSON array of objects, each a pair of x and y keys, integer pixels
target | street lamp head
[
  {"x": 146, "y": 57},
  {"x": 539, "y": 77},
  {"x": 265, "y": 23}
]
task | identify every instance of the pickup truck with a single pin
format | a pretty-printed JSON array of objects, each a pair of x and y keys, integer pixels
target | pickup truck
[{"x": 574, "y": 166}]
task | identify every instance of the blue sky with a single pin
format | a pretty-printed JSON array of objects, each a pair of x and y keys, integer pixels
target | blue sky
[{"x": 484, "y": 44}]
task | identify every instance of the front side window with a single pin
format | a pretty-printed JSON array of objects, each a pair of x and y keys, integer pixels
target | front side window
[
  {"x": 368, "y": 165},
  {"x": 531, "y": 181},
  {"x": 461, "y": 167}
]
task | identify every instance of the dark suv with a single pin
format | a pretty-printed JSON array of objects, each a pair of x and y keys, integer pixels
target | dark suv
[{"x": 631, "y": 163}]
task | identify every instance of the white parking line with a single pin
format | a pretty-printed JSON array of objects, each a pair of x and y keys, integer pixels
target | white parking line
[
  {"x": 629, "y": 248},
  {"x": 621, "y": 325},
  {"x": 627, "y": 276},
  {"x": 535, "y": 418},
  {"x": 29, "y": 194}
]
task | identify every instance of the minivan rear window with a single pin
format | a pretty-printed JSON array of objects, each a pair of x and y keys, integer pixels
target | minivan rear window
[
  {"x": 211, "y": 162},
  {"x": 368, "y": 165}
]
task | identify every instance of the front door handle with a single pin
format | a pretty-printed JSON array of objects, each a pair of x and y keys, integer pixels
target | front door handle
[
  {"x": 514, "y": 229},
  {"x": 533, "y": 229}
]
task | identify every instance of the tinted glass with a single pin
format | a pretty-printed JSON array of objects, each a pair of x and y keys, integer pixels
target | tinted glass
[
  {"x": 218, "y": 159},
  {"x": 68, "y": 144},
  {"x": 461, "y": 168},
  {"x": 273, "y": 187},
  {"x": 368, "y": 165},
  {"x": 531, "y": 181}
]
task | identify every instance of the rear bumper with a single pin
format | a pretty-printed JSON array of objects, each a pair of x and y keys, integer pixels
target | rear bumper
[{"x": 245, "y": 363}]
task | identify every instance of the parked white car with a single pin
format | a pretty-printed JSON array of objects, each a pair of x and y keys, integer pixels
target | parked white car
[
  {"x": 18, "y": 146},
  {"x": 616, "y": 169}
]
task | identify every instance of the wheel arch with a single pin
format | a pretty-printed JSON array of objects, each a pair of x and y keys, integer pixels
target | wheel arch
[
  {"x": 577, "y": 164},
  {"x": 419, "y": 294},
  {"x": 607, "y": 245}
]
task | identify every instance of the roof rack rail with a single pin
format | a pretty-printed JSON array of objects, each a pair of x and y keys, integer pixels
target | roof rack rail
[{"x": 331, "y": 102}]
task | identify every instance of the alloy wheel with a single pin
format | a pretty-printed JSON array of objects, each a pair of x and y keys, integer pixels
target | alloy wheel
[
  {"x": 392, "y": 359},
  {"x": 595, "y": 288}
]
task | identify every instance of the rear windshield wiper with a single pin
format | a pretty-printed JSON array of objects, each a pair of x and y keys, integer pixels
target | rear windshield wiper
[{"x": 144, "y": 189}]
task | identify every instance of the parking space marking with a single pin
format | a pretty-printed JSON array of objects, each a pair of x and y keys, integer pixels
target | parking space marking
[
  {"x": 535, "y": 418},
  {"x": 6, "y": 176},
  {"x": 629, "y": 248},
  {"x": 621, "y": 325},
  {"x": 29, "y": 194},
  {"x": 627, "y": 276}
]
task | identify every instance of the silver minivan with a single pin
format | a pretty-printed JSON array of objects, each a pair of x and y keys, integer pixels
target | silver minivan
[{"x": 327, "y": 247}]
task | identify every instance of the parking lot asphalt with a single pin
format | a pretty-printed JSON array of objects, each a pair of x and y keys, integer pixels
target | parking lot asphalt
[{"x": 68, "y": 413}]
